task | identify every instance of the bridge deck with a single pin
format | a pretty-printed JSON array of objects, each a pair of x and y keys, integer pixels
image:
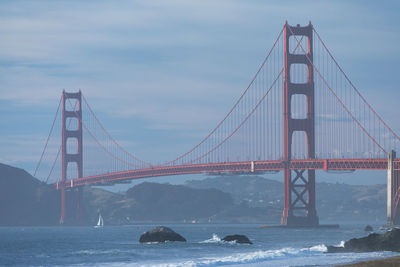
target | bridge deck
[{"x": 232, "y": 167}]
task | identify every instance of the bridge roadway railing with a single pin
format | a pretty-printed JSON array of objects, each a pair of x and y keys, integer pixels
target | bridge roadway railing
[{"x": 231, "y": 167}]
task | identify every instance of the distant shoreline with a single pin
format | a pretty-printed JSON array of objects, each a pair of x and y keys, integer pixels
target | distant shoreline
[{"x": 387, "y": 262}]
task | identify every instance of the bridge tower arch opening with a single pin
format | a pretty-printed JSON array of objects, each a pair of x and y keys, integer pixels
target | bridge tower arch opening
[{"x": 299, "y": 189}]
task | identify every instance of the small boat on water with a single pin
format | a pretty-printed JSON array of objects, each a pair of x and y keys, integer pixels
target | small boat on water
[{"x": 100, "y": 222}]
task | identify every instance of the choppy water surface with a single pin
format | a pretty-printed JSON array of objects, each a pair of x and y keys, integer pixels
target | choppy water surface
[{"x": 119, "y": 246}]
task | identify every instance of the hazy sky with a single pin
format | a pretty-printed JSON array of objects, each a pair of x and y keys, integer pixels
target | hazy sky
[{"x": 161, "y": 74}]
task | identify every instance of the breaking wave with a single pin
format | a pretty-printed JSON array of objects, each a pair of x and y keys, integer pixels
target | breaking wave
[
  {"x": 314, "y": 255},
  {"x": 214, "y": 239}
]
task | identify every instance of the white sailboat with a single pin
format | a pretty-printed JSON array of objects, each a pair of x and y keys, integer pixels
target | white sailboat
[{"x": 100, "y": 222}]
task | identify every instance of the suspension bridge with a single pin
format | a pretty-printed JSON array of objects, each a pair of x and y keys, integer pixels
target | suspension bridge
[{"x": 300, "y": 113}]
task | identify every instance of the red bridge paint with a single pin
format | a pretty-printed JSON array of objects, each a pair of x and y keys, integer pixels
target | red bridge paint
[{"x": 232, "y": 167}]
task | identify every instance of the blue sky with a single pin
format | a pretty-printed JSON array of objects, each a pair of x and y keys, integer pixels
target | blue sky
[{"x": 161, "y": 74}]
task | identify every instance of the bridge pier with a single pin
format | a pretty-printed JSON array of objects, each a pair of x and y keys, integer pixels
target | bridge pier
[
  {"x": 72, "y": 208},
  {"x": 299, "y": 202}
]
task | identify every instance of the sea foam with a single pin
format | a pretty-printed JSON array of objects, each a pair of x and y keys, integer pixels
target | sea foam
[
  {"x": 280, "y": 257},
  {"x": 214, "y": 239}
]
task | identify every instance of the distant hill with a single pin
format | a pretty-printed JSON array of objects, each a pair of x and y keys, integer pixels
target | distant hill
[
  {"x": 165, "y": 201},
  {"x": 152, "y": 202},
  {"x": 351, "y": 202},
  {"x": 253, "y": 190},
  {"x": 335, "y": 202},
  {"x": 24, "y": 200}
]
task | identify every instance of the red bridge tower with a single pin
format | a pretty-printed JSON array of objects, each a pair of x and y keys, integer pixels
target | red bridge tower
[
  {"x": 72, "y": 204},
  {"x": 299, "y": 192}
]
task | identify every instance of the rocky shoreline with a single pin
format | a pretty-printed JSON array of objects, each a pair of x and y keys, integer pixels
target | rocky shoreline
[{"x": 388, "y": 241}]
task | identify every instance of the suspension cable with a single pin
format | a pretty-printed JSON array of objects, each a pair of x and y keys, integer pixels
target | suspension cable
[
  {"x": 112, "y": 139},
  {"x": 352, "y": 85},
  {"x": 98, "y": 142},
  {"x": 48, "y": 138},
  {"x": 249, "y": 115},
  {"x": 241, "y": 124},
  {"x": 234, "y": 106},
  {"x": 338, "y": 99},
  {"x": 59, "y": 150}
]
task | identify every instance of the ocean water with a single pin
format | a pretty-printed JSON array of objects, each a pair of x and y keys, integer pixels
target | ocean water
[{"x": 119, "y": 246}]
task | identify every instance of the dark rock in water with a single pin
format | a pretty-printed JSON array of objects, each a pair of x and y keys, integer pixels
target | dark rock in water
[
  {"x": 241, "y": 239},
  {"x": 388, "y": 241},
  {"x": 368, "y": 228},
  {"x": 161, "y": 234}
]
